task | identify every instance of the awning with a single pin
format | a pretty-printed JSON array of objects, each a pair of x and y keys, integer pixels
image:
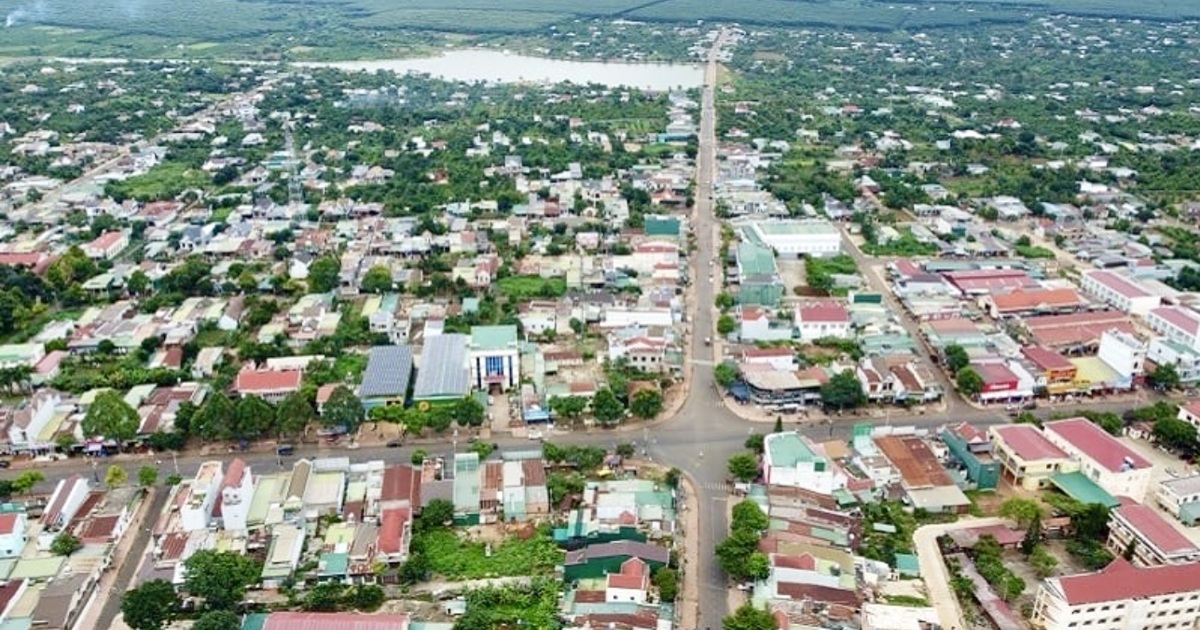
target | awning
[{"x": 1077, "y": 486}]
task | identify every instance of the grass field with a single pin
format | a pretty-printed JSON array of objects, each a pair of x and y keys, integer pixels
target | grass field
[
  {"x": 452, "y": 558},
  {"x": 374, "y": 28}
]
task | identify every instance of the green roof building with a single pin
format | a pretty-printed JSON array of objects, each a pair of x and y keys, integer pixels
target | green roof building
[
  {"x": 495, "y": 357},
  {"x": 758, "y": 277}
]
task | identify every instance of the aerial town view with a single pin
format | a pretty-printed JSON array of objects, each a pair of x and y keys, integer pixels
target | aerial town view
[{"x": 605, "y": 315}]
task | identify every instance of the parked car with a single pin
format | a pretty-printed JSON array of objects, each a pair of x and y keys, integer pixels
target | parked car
[
  {"x": 395, "y": 443},
  {"x": 284, "y": 450},
  {"x": 4, "y": 463}
]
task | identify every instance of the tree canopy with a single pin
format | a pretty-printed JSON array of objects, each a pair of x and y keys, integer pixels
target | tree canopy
[
  {"x": 111, "y": 417},
  {"x": 150, "y": 606},
  {"x": 220, "y": 578}
]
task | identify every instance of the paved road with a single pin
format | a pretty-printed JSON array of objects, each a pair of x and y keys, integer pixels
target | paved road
[{"x": 133, "y": 556}]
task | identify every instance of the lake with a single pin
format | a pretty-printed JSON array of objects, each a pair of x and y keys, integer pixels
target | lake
[{"x": 494, "y": 66}]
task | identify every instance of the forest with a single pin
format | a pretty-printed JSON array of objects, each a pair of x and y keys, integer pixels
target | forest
[{"x": 378, "y": 28}]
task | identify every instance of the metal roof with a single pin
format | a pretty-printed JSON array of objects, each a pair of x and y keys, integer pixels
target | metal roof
[
  {"x": 389, "y": 369},
  {"x": 443, "y": 372}
]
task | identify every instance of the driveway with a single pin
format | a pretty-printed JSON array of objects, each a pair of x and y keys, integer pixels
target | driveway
[{"x": 934, "y": 572}]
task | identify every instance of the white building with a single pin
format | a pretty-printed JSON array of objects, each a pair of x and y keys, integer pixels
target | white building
[
  {"x": 1163, "y": 351},
  {"x": 756, "y": 326},
  {"x": 1121, "y": 597},
  {"x": 791, "y": 460},
  {"x": 237, "y": 491},
  {"x": 1180, "y": 497},
  {"x": 197, "y": 507},
  {"x": 1125, "y": 354},
  {"x": 1154, "y": 540},
  {"x": 1176, "y": 323},
  {"x": 817, "y": 321},
  {"x": 64, "y": 503},
  {"x": 24, "y": 433},
  {"x": 1101, "y": 457},
  {"x": 13, "y": 535},
  {"x": 1119, "y": 292},
  {"x": 794, "y": 239},
  {"x": 494, "y": 357}
]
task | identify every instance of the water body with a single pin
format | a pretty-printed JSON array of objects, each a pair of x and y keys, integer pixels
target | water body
[{"x": 493, "y": 66}]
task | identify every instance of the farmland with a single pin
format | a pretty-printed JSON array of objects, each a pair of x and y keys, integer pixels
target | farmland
[{"x": 344, "y": 29}]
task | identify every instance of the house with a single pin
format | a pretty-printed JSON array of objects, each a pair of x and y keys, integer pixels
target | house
[
  {"x": 1032, "y": 301},
  {"x": 283, "y": 554},
  {"x": 790, "y": 459},
  {"x": 1026, "y": 456},
  {"x": 601, "y": 559},
  {"x": 1102, "y": 458},
  {"x": 30, "y": 421},
  {"x": 1055, "y": 373},
  {"x": 756, "y": 326},
  {"x": 778, "y": 358},
  {"x": 971, "y": 449},
  {"x": 1180, "y": 497},
  {"x": 818, "y": 321},
  {"x": 1119, "y": 292},
  {"x": 1003, "y": 381},
  {"x": 270, "y": 385},
  {"x": 13, "y": 533},
  {"x": 107, "y": 246},
  {"x": 1153, "y": 538},
  {"x": 494, "y": 358},
  {"x": 926, "y": 484},
  {"x": 758, "y": 279},
  {"x": 387, "y": 376},
  {"x": 1120, "y": 597},
  {"x": 395, "y": 533},
  {"x": 630, "y": 584},
  {"x": 64, "y": 503},
  {"x": 200, "y": 497},
  {"x": 237, "y": 490}
]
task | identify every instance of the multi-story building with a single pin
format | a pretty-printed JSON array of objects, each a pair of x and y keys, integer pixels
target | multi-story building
[
  {"x": 1121, "y": 597},
  {"x": 1153, "y": 539},
  {"x": 789, "y": 459},
  {"x": 1027, "y": 457},
  {"x": 1125, "y": 354},
  {"x": 494, "y": 357},
  {"x": 1177, "y": 323},
  {"x": 237, "y": 491},
  {"x": 1120, "y": 292},
  {"x": 1185, "y": 359},
  {"x": 201, "y": 496},
  {"x": 1102, "y": 458},
  {"x": 1180, "y": 498},
  {"x": 13, "y": 535}
]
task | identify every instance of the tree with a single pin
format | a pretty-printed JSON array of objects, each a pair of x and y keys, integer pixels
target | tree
[
  {"x": 365, "y": 597},
  {"x": 672, "y": 478},
  {"x": 174, "y": 480},
  {"x": 220, "y": 577},
  {"x": 1175, "y": 434},
  {"x": 778, "y": 424},
  {"x": 468, "y": 412},
  {"x": 378, "y": 279},
  {"x": 666, "y": 580},
  {"x": 755, "y": 443},
  {"x": 562, "y": 485},
  {"x": 115, "y": 476},
  {"x": 147, "y": 476},
  {"x": 748, "y": 515},
  {"x": 956, "y": 358},
  {"x": 343, "y": 409},
  {"x": 218, "y": 620},
  {"x": 293, "y": 414},
  {"x": 843, "y": 391},
  {"x": 323, "y": 274},
  {"x": 568, "y": 407},
  {"x": 725, "y": 374},
  {"x": 606, "y": 407},
  {"x": 725, "y": 324},
  {"x": 1165, "y": 377},
  {"x": 26, "y": 481},
  {"x": 1033, "y": 536},
  {"x": 647, "y": 403},
  {"x": 323, "y": 597},
  {"x": 418, "y": 457},
  {"x": 110, "y": 416},
  {"x": 968, "y": 381},
  {"x": 214, "y": 420},
  {"x": 743, "y": 467},
  {"x": 435, "y": 515},
  {"x": 65, "y": 544},
  {"x": 150, "y": 606},
  {"x": 252, "y": 416},
  {"x": 626, "y": 449},
  {"x": 1043, "y": 562},
  {"x": 734, "y": 552},
  {"x": 138, "y": 282},
  {"x": 1022, "y": 511},
  {"x": 748, "y": 617},
  {"x": 758, "y": 566}
]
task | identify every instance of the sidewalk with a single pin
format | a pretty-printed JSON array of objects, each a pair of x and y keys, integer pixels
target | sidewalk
[{"x": 687, "y": 607}]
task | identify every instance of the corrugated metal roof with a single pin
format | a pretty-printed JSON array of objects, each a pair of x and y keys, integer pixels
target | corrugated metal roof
[
  {"x": 443, "y": 371},
  {"x": 389, "y": 369}
]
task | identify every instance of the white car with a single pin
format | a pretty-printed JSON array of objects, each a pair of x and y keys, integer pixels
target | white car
[{"x": 535, "y": 435}]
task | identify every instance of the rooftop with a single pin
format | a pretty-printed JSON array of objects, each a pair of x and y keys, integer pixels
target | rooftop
[
  {"x": 493, "y": 337},
  {"x": 334, "y": 621},
  {"x": 389, "y": 370},
  {"x": 1155, "y": 529},
  {"x": 1120, "y": 580},
  {"x": 795, "y": 228},
  {"x": 1118, "y": 283},
  {"x": 1094, "y": 442},
  {"x": 788, "y": 449},
  {"x": 918, "y": 465},
  {"x": 1028, "y": 443},
  {"x": 443, "y": 370}
]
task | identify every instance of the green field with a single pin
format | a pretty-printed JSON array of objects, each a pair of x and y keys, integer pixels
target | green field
[{"x": 326, "y": 29}]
